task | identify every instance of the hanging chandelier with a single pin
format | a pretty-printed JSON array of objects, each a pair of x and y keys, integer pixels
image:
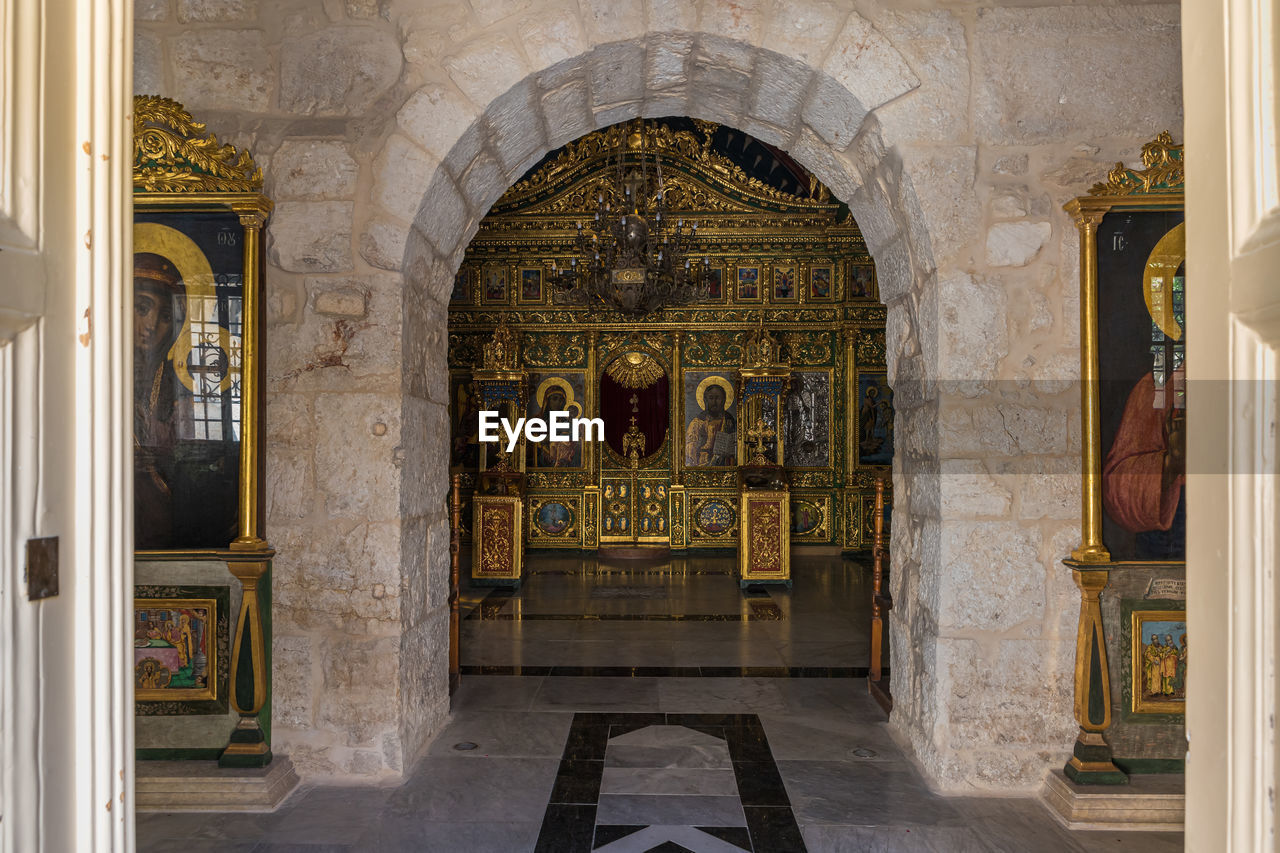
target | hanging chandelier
[{"x": 632, "y": 257}]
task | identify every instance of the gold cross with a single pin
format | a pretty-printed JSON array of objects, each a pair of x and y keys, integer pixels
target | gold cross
[{"x": 758, "y": 435}]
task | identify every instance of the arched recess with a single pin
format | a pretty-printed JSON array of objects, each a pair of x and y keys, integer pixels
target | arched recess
[{"x": 824, "y": 117}]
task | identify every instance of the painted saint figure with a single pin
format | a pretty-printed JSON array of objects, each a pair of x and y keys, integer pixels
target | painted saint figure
[
  {"x": 161, "y": 410},
  {"x": 1168, "y": 666},
  {"x": 556, "y": 395},
  {"x": 712, "y": 437},
  {"x": 1180, "y": 679},
  {"x": 1152, "y": 657},
  {"x": 1144, "y": 472}
]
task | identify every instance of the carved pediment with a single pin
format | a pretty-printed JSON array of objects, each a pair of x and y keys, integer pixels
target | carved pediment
[
  {"x": 695, "y": 176},
  {"x": 172, "y": 153}
]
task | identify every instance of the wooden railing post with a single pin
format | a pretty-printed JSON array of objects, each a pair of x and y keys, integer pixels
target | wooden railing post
[
  {"x": 455, "y": 561},
  {"x": 880, "y": 604}
]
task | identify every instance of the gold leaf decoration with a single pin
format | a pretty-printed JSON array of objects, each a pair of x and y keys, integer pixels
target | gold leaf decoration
[
  {"x": 808, "y": 347},
  {"x": 634, "y": 370},
  {"x": 555, "y": 350},
  {"x": 172, "y": 154},
  {"x": 870, "y": 346},
  {"x": 581, "y": 157},
  {"x": 1163, "y": 171}
]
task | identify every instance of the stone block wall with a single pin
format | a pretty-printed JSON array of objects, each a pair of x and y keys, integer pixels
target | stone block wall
[{"x": 955, "y": 132}]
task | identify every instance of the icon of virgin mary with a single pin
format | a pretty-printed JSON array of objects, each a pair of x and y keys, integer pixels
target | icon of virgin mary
[{"x": 159, "y": 418}]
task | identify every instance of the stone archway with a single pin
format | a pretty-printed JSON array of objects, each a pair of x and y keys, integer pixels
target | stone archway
[
  {"x": 955, "y": 132},
  {"x": 822, "y": 117}
]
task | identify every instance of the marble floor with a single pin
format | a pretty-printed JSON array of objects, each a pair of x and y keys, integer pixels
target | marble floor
[
  {"x": 564, "y": 764},
  {"x": 659, "y": 708},
  {"x": 679, "y": 616}
]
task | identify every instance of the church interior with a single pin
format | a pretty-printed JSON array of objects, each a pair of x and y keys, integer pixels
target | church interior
[{"x": 569, "y": 425}]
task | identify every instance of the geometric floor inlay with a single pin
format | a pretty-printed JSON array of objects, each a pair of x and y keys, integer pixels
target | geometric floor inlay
[{"x": 655, "y": 782}]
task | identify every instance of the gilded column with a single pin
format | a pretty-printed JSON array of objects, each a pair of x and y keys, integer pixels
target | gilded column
[
  {"x": 249, "y": 663},
  {"x": 249, "y": 557},
  {"x": 1091, "y": 549},
  {"x": 677, "y": 507},
  {"x": 252, "y": 219},
  {"x": 593, "y": 393},
  {"x": 1091, "y": 758},
  {"x": 591, "y": 494}
]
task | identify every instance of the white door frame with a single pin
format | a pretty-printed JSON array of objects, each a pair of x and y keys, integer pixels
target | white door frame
[
  {"x": 66, "y": 698},
  {"x": 1233, "y": 325}
]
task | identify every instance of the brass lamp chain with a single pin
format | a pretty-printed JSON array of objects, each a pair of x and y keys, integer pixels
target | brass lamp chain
[{"x": 631, "y": 258}]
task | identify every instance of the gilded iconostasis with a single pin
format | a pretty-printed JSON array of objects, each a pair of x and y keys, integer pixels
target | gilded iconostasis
[{"x": 776, "y": 250}]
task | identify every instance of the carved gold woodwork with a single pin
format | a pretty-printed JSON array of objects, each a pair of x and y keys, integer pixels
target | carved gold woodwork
[
  {"x": 1157, "y": 187},
  {"x": 1163, "y": 171},
  {"x": 496, "y": 554},
  {"x": 785, "y": 239},
  {"x": 170, "y": 154},
  {"x": 764, "y": 550},
  {"x": 1156, "y": 190},
  {"x": 183, "y": 180}
]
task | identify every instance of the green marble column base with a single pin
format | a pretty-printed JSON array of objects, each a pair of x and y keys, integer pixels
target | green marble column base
[
  {"x": 248, "y": 747},
  {"x": 1091, "y": 762}
]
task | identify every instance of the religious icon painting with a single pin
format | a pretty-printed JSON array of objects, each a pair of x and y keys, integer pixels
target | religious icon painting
[
  {"x": 807, "y": 420},
  {"x": 461, "y": 286},
  {"x": 714, "y": 517},
  {"x": 464, "y": 420},
  {"x": 548, "y": 394},
  {"x": 553, "y": 521},
  {"x": 808, "y": 517},
  {"x": 748, "y": 280},
  {"x": 715, "y": 284},
  {"x": 493, "y": 285},
  {"x": 710, "y": 420},
  {"x": 553, "y": 518},
  {"x": 530, "y": 285},
  {"x": 873, "y": 442},
  {"x": 862, "y": 281},
  {"x": 784, "y": 283},
  {"x": 172, "y": 649},
  {"x": 821, "y": 282},
  {"x": 1142, "y": 398},
  {"x": 1158, "y": 658},
  {"x": 188, "y": 303},
  {"x": 180, "y": 645}
]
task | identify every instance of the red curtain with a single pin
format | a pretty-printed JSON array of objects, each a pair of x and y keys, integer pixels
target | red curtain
[{"x": 616, "y": 410}]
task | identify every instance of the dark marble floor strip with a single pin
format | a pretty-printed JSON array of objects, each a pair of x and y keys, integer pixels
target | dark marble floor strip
[
  {"x": 672, "y": 671},
  {"x": 587, "y": 573},
  {"x": 568, "y": 825},
  {"x": 759, "y": 613},
  {"x": 567, "y": 829}
]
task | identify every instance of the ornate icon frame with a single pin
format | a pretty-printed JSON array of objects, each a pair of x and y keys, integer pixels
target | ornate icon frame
[
  {"x": 179, "y": 170},
  {"x": 1156, "y": 188}
]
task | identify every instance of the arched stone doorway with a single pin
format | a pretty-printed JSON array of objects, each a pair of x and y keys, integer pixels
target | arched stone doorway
[
  {"x": 360, "y": 658},
  {"x": 815, "y": 115}
]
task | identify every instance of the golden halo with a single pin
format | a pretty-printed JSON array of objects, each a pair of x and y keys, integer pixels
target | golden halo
[
  {"x": 715, "y": 380},
  {"x": 1157, "y": 279},
  {"x": 554, "y": 382},
  {"x": 197, "y": 280}
]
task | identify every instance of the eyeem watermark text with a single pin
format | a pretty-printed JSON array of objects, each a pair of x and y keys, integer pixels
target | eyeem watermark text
[{"x": 560, "y": 427}]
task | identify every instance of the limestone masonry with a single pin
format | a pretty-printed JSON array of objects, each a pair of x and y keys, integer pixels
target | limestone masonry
[{"x": 954, "y": 131}]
